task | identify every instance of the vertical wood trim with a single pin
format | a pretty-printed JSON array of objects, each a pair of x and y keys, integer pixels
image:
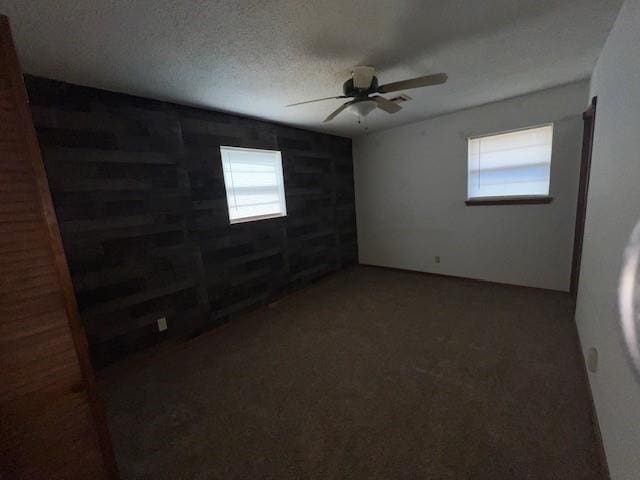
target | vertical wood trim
[
  {"x": 589, "y": 118},
  {"x": 33, "y": 156}
]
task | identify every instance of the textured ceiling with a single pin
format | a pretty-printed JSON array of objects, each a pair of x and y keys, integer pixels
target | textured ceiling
[{"x": 255, "y": 56}]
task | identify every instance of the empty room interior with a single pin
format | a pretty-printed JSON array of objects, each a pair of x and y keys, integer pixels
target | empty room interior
[{"x": 360, "y": 239}]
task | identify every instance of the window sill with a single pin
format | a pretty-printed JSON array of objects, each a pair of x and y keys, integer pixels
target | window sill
[
  {"x": 256, "y": 218},
  {"x": 472, "y": 202}
]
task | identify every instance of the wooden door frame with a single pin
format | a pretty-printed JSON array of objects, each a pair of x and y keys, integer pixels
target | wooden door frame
[{"x": 589, "y": 119}]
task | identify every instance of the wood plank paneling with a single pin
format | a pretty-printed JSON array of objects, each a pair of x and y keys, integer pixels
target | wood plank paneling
[
  {"x": 52, "y": 426},
  {"x": 139, "y": 192}
]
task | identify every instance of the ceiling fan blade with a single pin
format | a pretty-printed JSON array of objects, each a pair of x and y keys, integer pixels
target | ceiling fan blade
[
  {"x": 316, "y": 100},
  {"x": 336, "y": 112},
  {"x": 362, "y": 76},
  {"x": 387, "y": 105},
  {"x": 425, "y": 81}
]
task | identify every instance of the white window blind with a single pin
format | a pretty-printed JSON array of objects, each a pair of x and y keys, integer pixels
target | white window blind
[
  {"x": 510, "y": 164},
  {"x": 254, "y": 183}
]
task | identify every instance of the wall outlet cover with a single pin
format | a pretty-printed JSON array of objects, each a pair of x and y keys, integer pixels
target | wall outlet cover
[
  {"x": 162, "y": 324},
  {"x": 592, "y": 360}
]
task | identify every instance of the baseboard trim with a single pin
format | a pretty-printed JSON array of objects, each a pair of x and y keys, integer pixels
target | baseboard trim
[{"x": 458, "y": 277}]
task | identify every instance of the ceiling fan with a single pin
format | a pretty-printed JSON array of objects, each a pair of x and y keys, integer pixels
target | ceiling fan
[{"x": 362, "y": 86}]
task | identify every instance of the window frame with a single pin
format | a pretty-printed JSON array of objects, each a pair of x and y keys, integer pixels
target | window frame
[
  {"x": 281, "y": 190},
  {"x": 510, "y": 199}
]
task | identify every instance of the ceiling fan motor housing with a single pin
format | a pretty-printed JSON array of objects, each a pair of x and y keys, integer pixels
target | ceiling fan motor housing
[{"x": 351, "y": 91}]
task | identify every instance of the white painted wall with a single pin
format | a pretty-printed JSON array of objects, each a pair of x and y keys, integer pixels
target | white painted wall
[
  {"x": 411, "y": 184},
  {"x": 613, "y": 209}
]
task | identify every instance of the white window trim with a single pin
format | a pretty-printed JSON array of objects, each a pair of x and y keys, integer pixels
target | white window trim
[
  {"x": 508, "y": 198},
  {"x": 281, "y": 189},
  {"x": 256, "y": 218},
  {"x": 513, "y": 130}
]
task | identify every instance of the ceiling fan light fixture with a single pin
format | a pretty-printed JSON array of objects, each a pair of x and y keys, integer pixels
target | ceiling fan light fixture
[
  {"x": 363, "y": 84},
  {"x": 363, "y": 108}
]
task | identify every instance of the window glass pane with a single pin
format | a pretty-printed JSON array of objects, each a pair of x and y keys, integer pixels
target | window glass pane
[
  {"x": 254, "y": 183},
  {"x": 256, "y": 211},
  {"x": 253, "y": 179},
  {"x": 510, "y": 164},
  {"x": 243, "y": 199}
]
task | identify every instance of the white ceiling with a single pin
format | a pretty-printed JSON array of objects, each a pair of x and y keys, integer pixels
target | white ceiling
[{"x": 255, "y": 56}]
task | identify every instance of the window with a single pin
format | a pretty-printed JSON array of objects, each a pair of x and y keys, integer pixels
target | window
[
  {"x": 514, "y": 164},
  {"x": 254, "y": 183}
]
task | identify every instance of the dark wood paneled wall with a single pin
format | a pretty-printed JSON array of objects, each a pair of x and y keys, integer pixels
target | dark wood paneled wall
[
  {"x": 139, "y": 193},
  {"x": 51, "y": 424}
]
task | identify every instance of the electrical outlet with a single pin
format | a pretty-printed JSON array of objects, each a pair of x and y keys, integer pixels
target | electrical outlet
[
  {"x": 592, "y": 360},
  {"x": 437, "y": 258},
  {"x": 162, "y": 324}
]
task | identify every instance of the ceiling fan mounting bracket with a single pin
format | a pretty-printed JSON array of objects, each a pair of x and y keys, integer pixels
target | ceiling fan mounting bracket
[{"x": 350, "y": 90}]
